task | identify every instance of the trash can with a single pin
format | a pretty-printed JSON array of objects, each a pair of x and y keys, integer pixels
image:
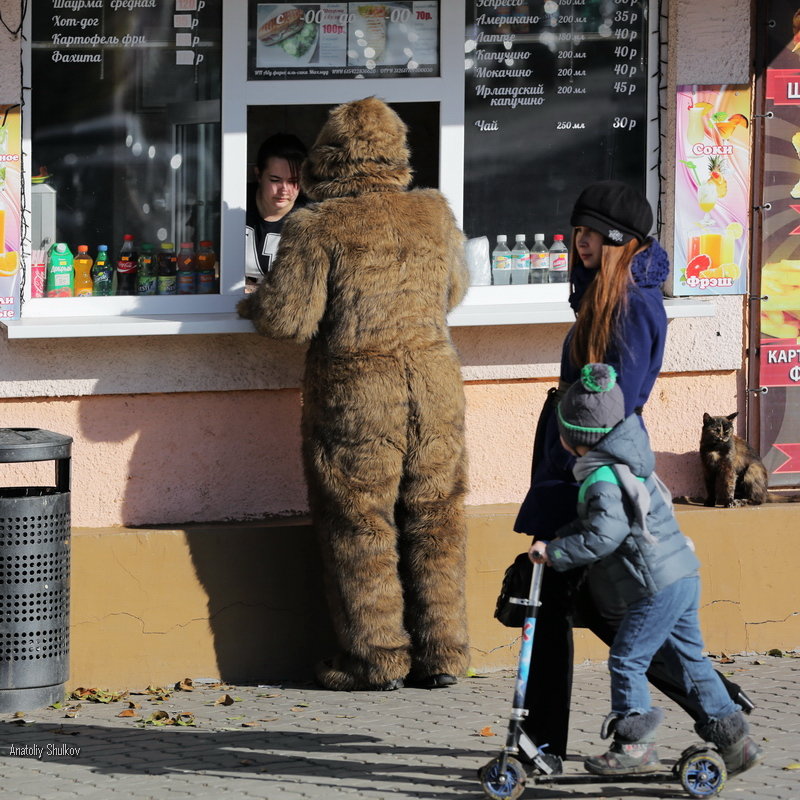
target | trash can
[{"x": 34, "y": 574}]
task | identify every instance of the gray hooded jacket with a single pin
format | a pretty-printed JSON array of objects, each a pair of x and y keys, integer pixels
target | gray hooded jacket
[{"x": 632, "y": 536}]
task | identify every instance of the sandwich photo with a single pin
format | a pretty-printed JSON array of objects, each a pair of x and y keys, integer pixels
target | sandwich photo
[{"x": 281, "y": 24}]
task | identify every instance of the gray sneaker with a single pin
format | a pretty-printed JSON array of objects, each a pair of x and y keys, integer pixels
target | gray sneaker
[{"x": 625, "y": 758}]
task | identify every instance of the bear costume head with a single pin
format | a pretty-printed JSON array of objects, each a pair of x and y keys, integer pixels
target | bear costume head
[{"x": 361, "y": 148}]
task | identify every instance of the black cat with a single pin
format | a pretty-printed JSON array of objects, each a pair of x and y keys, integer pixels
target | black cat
[{"x": 733, "y": 472}]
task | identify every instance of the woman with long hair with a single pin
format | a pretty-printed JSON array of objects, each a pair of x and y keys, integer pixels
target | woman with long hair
[{"x": 616, "y": 273}]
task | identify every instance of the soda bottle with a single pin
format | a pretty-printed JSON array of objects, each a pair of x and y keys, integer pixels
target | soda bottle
[
  {"x": 146, "y": 271},
  {"x": 102, "y": 273},
  {"x": 540, "y": 259},
  {"x": 83, "y": 263},
  {"x": 206, "y": 268},
  {"x": 559, "y": 261},
  {"x": 126, "y": 267},
  {"x": 520, "y": 260},
  {"x": 501, "y": 262},
  {"x": 60, "y": 272},
  {"x": 167, "y": 280},
  {"x": 187, "y": 269}
]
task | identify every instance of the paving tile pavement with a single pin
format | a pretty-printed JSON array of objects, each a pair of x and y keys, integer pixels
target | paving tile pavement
[{"x": 298, "y": 742}]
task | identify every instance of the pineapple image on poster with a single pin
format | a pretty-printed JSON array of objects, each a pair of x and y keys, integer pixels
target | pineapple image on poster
[{"x": 712, "y": 190}]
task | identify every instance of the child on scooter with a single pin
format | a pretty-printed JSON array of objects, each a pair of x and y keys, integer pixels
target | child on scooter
[{"x": 627, "y": 530}]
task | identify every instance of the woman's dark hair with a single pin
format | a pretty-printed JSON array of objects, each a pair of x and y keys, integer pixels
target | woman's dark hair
[
  {"x": 601, "y": 304},
  {"x": 282, "y": 145}
]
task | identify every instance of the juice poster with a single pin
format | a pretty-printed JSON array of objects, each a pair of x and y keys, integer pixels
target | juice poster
[
  {"x": 10, "y": 204},
  {"x": 712, "y": 190}
]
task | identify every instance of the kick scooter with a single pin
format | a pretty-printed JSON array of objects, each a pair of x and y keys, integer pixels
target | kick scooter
[{"x": 700, "y": 768}]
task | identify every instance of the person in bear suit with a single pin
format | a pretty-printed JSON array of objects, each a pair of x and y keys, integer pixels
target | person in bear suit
[{"x": 366, "y": 274}]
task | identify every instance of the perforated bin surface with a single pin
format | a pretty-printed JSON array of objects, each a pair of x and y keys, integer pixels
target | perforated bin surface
[{"x": 34, "y": 586}]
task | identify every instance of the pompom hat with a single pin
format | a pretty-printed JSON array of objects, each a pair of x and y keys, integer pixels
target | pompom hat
[
  {"x": 614, "y": 209},
  {"x": 592, "y": 406}
]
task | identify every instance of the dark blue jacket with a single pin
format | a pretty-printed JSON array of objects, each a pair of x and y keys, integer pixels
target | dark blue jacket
[{"x": 636, "y": 353}]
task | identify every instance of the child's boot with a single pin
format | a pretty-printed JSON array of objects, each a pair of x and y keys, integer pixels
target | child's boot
[
  {"x": 633, "y": 749},
  {"x": 730, "y": 735}
]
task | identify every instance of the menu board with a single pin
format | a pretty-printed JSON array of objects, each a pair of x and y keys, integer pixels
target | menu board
[
  {"x": 295, "y": 41},
  {"x": 556, "y": 97}
]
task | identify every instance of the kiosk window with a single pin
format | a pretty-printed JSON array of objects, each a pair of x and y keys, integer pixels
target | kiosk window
[{"x": 125, "y": 126}]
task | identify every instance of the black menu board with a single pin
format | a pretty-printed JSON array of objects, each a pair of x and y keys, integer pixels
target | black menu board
[{"x": 556, "y": 97}]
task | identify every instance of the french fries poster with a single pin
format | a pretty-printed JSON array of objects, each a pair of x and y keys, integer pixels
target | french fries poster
[
  {"x": 712, "y": 190},
  {"x": 10, "y": 210},
  {"x": 296, "y": 41}
]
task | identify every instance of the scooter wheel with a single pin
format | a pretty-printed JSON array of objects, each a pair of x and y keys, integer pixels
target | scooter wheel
[
  {"x": 507, "y": 785},
  {"x": 702, "y": 774}
]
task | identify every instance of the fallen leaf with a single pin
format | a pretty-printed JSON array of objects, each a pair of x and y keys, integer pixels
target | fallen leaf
[
  {"x": 725, "y": 659},
  {"x": 225, "y": 700},
  {"x": 487, "y": 731},
  {"x": 56, "y": 705},
  {"x": 184, "y": 718},
  {"x": 18, "y": 714},
  {"x": 127, "y": 712},
  {"x": 274, "y": 694},
  {"x": 185, "y": 685},
  {"x": 298, "y": 708},
  {"x": 795, "y": 765},
  {"x": 775, "y": 652},
  {"x": 249, "y": 724}
]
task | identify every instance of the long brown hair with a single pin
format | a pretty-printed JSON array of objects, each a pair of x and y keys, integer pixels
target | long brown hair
[{"x": 600, "y": 306}]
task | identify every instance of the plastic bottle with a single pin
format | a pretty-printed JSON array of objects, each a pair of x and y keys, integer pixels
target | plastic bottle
[
  {"x": 60, "y": 271},
  {"x": 167, "y": 281},
  {"x": 83, "y": 263},
  {"x": 206, "y": 268},
  {"x": 559, "y": 261},
  {"x": 146, "y": 271},
  {"x": 520, "y": 260},
  {"x": 102, "y": 273},
  {"x": 540, "y": 259},
  {"x": 126, "y": 267},
  {"x": 187, "y": 269},
  {"x": 501, "y": 262}
]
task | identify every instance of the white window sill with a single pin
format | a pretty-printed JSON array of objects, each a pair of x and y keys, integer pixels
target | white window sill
[{"x": 484, "y": 305}]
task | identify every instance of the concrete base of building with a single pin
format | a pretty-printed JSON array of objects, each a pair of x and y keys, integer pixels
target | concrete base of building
[{"x": 243, "y": 602}]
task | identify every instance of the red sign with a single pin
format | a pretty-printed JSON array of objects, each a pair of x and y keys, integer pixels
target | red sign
[
  {"x": 783, "y": 86},
  {"x": 792, "y": 463},
  {"x": 780, "y": 362}
]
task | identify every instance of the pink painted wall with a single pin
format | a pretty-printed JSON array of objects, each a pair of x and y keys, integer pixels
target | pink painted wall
[{"x": 207, "y": 456}]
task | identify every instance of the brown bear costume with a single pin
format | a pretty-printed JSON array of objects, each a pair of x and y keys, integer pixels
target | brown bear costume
[{"x": 367, "y": 274}]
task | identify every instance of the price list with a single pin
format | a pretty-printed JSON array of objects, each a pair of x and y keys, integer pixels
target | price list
[{"x": 556, "y": 97}]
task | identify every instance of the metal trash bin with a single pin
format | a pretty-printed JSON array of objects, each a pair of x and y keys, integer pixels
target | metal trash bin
[{"x": 34, "y": 574}]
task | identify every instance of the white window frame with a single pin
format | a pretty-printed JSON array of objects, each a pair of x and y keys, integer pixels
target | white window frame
[{"x": 99, "y": 316}]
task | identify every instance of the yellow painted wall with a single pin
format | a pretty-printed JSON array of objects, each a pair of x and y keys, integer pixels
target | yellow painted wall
[{"x": 243, "y": 602}]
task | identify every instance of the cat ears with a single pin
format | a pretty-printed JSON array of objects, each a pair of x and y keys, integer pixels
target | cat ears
[{"x": 707, "y": 417}]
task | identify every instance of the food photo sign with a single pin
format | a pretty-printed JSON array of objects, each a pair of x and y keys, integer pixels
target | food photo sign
[
  {"x": 297, "y": 41},
  {"x": 712, "y": 190}
]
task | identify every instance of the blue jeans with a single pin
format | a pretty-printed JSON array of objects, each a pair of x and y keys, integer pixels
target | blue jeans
[{"x": 668, "y": 618}]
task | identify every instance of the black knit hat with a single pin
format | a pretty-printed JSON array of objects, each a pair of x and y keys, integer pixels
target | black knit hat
[
  {"x": 592, "y": 406},
  {"x": 616, "y": 210}
]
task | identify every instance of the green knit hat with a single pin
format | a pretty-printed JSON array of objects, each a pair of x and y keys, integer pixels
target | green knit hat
[{"x": 592, "y": 406}]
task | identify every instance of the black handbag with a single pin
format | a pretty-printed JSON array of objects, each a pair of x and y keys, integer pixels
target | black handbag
[{"x": 516, "y": 585}]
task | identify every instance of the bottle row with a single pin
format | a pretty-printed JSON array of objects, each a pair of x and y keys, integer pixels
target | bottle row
[
  {"x": 540, "y": 264},
  {"x": 141, "y": 271}
]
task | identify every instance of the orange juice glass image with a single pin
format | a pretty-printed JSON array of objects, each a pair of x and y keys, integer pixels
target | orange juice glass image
[
  {"x": 724, "y": 128},
  {"x": 709, "y": 244}
]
